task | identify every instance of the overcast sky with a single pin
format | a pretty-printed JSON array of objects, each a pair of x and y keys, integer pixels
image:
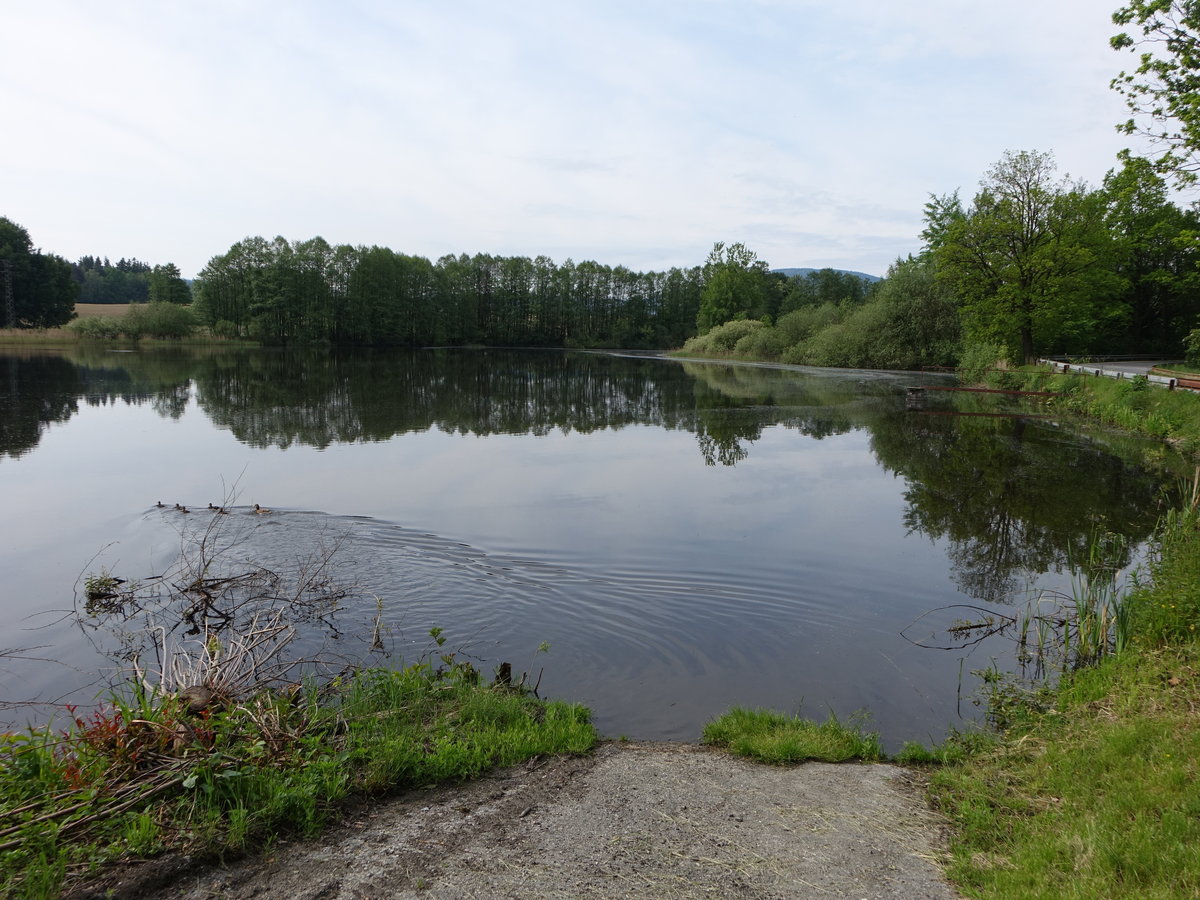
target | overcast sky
[{"x": 632, "y": 133}]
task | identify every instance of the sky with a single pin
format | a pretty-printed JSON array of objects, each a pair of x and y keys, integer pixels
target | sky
[{"x": 630, "y": 133}]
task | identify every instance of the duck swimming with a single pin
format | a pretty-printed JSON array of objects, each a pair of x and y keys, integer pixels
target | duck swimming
[{"x": 260, "y": 510}]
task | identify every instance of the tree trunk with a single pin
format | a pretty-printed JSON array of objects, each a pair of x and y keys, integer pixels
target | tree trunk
[{"x": 1027, "y": 354}]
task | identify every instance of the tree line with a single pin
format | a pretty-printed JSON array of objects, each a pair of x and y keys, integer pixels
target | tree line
[
  {"x": 129, "y": 281},
  {"x": 40, "y": 290},
  {"x": 302, "y": 292},
  {"x": 36, "y": 289}
]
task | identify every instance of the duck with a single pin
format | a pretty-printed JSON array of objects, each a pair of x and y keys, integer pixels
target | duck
[
  {"x": 260, "y": 510},
  {"x": 219, "y": 510},
  {"x": 161, "y": 505},
  {"x": 182, "y": 508}
]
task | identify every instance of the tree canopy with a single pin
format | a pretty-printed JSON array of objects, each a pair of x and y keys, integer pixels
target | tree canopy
[
  {"x": 735, "y": 286},
  {"x": 36, "y": 290},
  {"x": 286, "y": 292},
  {"x": 1163, "y": 92},
  {"x": 1029, "y": 258}
]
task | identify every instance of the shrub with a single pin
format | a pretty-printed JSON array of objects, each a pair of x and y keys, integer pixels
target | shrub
[
  {"x": 725, "y": 337},
  {"x": 97, "y": 328},
  {"x": 978, "y": 360},
  {"x": 160, "y": 320},
  {"x": 1191, "y": 345},
  {"x": 802, "y": 324},
  {"x": 763, "y": 343}
]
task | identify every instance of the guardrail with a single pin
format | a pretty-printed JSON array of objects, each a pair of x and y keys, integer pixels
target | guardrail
[{"x": 1171, "y": 383}]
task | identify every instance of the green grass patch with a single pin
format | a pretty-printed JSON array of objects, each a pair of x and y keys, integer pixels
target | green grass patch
[
  {"x": 1177, "y": 368},
  {"x": 776, "y": 738},
  {"x": 1094, "y": 791},
  {"x": 145, "y": 774},
  {"x": 1098, "y": 798}
]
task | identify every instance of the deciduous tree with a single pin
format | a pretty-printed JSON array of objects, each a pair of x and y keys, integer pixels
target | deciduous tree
[
  {"x": 1030, "y": 258},
  {"x": 734, "y": 285},
  {"x": 42, "y": 290},
  {"x": 1163, "y": 92}
]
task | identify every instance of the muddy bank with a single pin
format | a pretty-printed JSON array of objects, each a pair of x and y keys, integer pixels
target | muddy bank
[{"x": 633, "y": 820}]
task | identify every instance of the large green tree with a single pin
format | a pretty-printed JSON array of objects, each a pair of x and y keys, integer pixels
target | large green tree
[
  {"x": 735, "y": 286},
  {"x": 1158, "y": 255},
  {"x": 36, "y": 289},
  {"x": 1163, "y": 92},
  {"x": 1030, "y": 259}
]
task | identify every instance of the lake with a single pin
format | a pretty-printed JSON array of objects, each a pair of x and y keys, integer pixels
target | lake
[{"x": 685, "y": 536}]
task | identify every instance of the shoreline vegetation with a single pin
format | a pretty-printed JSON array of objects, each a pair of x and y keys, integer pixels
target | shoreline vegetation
[{"x": 217, "y": 773}]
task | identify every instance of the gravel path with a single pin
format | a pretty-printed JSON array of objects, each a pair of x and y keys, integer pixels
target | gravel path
[{"x": 633, "y": 820}]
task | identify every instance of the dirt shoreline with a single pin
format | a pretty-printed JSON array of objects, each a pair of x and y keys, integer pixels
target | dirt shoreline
[{"x": 632, "y": 820}]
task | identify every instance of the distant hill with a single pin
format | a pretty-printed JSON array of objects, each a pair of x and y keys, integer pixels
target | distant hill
[{"x": 863, "y": 275}]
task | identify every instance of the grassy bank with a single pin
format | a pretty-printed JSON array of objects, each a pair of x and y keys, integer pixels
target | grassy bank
[
  {"x": 1132, "y": 404},
  {"x": 1093, "y": 790},
  {"x": 142, "y": 775}
]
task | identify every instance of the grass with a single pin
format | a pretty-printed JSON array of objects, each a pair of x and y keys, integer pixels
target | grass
[
  {"x": 775, "y": 738},
  {"x": 143, "y": 774},
  {"x": 1093, "y": 789},
  {"x": 1132, "y": 404},
  {"x": 62, "y": 336}
]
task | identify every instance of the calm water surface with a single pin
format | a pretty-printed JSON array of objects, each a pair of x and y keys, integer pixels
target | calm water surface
[{"x": 685, "y": 536}]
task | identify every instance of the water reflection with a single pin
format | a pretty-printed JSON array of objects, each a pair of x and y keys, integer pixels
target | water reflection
[
  {"x": 723, "y": 534},
  {"x": 1011, "y": 495}
]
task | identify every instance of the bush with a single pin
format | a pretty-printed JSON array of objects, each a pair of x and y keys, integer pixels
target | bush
[
  {"x": 803, "y": 323},
  {"x": 978, "y": 360},
  {"x": 1191, "y": 345},
  {"x": 160, "y": 320},
  {"x": 764, "y": 343},
  {"x": 722, "y": 339},
  {"x": 725, "y": 337},
  {"x": 97, "y": 328}
]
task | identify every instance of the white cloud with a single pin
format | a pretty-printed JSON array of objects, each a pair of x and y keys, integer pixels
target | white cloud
[{"x": 634, "y": 134}]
